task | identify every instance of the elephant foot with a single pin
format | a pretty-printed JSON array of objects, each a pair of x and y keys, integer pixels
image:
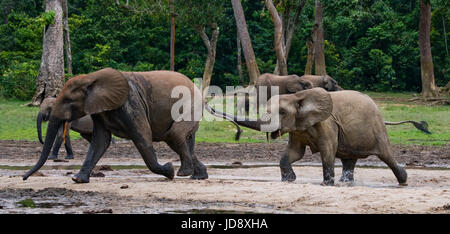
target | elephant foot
[
  {"x": 327, "y": 183},
  {"x": 200, "y": 172},
  {"x": 52, "y": 157},
  {"x": 80, "y": 178},
  {"x": 185, "y": 171},
  {"x": 349, "y": 183},
  {"x": 69, "y": 156},
  {"x": 168, "y": 171},
  {"x": 345, "y": 179},
  {"x": 199, "y": 176},
  {"x": 287, "y": 174},
  {"x": 401, "y": 176}
]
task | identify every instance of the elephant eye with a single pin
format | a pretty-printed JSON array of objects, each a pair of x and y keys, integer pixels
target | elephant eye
[{"x": 282, "y": 112}]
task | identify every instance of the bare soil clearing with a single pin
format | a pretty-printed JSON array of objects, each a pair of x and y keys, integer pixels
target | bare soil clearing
[{"x": 244, "y": 178}]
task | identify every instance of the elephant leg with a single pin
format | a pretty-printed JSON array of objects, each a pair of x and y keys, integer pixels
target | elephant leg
[
  {"x": 294, "y": 152},
  {"x": 399, "y": 172},
  {"x": 101, "y": 138},
  {"x": 328, "y": 154},
  {"x": 68, "y": 146},
  {"x": 139, "y": 131},
  {"x": 57, "y": 144},
  {"x": 182, "y": 149},
  {"x": 200, "y": 172},
  {"x": 87, "y": 137},
  {"x": 348, "y": 167},
  {"x": 328, "y": 168}
]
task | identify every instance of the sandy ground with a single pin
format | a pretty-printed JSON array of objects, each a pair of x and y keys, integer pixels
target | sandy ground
[{"x": 253, "y": 187}]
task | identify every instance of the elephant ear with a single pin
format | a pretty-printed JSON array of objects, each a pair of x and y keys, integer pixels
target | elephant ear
[
  {"x": 313, "y": 106},
  {"x": 107, "y": 90}
]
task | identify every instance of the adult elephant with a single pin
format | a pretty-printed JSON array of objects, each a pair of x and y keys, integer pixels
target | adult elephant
[
  {"x": 293, "y": 83},
  {"x": 83, "y": 125},
  {"x": 344, "y": 124},
  {"x": 131, "y": 105}
]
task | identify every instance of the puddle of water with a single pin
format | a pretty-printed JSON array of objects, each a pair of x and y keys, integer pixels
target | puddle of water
[{"x": 224, "y": 166}]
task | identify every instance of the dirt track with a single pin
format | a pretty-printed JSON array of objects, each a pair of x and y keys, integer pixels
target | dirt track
[{"x": 253, "y": 187}]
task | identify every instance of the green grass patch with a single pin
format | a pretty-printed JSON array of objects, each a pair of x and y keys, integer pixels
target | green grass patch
[{"x": 18, "y": 122}]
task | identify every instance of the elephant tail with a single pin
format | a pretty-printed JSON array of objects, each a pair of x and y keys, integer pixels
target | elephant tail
[{"x": 422, "y": 125}]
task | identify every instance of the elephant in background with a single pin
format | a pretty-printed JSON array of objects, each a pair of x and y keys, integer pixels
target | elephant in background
[
  {"x": 325, "y": 82},
  {"x": 83, "y": 125},
  {"x": 286, "y": 84},
  {"x": 130, "y": 105},
  {"x": 343, "y": 124}
]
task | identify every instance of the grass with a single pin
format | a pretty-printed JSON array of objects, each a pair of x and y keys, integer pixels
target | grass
[{"x": 18, "y": 122}]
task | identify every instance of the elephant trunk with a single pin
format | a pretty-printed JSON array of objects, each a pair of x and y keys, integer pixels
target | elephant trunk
[
  {"x": 225, "y": 116},
  {"x": 52, "y": 130},
  {"x": 39, "y": 126},
  {"x": 249, "y": 123}
]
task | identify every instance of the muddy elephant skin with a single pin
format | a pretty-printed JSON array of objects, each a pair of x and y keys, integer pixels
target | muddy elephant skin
[{"x": 130, "y": 105}]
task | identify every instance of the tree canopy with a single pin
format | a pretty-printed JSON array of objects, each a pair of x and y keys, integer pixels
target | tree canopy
[{"x": 369, "y": 44}]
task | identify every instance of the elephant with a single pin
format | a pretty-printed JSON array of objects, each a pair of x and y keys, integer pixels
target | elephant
[
  {"x": 344, "y": 124},
  {"x": 324, "y": 81},
  {"x": 286, "y": 84},
  {"x": 294, "y": 83},
  {"x": 83, "y": 125},
  {"x": 130, "y": 105}
]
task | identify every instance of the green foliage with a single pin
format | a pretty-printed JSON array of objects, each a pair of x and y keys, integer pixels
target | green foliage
[
  {"x": 48, "y": 17},
  {"x": 369, "y": 44},
  {"x": 28, "y": 203},
  {"x": 18, "y": 81}
]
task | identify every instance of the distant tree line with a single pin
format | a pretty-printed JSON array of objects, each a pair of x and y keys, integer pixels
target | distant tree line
[{"x": 368, "y": 44}]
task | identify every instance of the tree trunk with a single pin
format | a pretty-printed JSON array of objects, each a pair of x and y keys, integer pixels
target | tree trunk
[
  {"x": 289, "y": 26},
  {"x": 445, "y": 34},
  {"x": 51, "y": 72},
  {"x": 319, "y": 55},
  {"x": 7, "y": 10},
  {"x": 239, "y": 59},
  {"x": 67, "y": 37},
  {"x": 429, "y": 88},
  {"x": 290, "y": 29},
  {"x": 310, "y": 58},
  {"x": 249, "y": 55},
  {"x": 278, "y": 36},
  {"x": 172, "y": 36},
  {"x": 211, "y": 56}
]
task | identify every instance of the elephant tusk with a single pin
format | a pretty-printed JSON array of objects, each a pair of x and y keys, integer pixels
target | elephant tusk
[{"x": 66, "y": 126}]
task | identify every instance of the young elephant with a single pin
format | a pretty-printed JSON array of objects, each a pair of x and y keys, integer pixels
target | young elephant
[
  {"x": 131, "y": 105},
  {"x": 343, "y": 124},
  {"x": 84, "y": 126},
  {"x": 325, "y": 82},
  {"x": 286, "y": 84}
]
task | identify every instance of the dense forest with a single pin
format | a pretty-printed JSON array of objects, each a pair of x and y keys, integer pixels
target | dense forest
[{"x": 369, "y": 44}]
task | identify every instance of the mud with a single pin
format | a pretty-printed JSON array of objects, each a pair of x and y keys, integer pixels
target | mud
[
  {"x": 243, "y": 178},
  {"x": 418, "y": 156}
]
